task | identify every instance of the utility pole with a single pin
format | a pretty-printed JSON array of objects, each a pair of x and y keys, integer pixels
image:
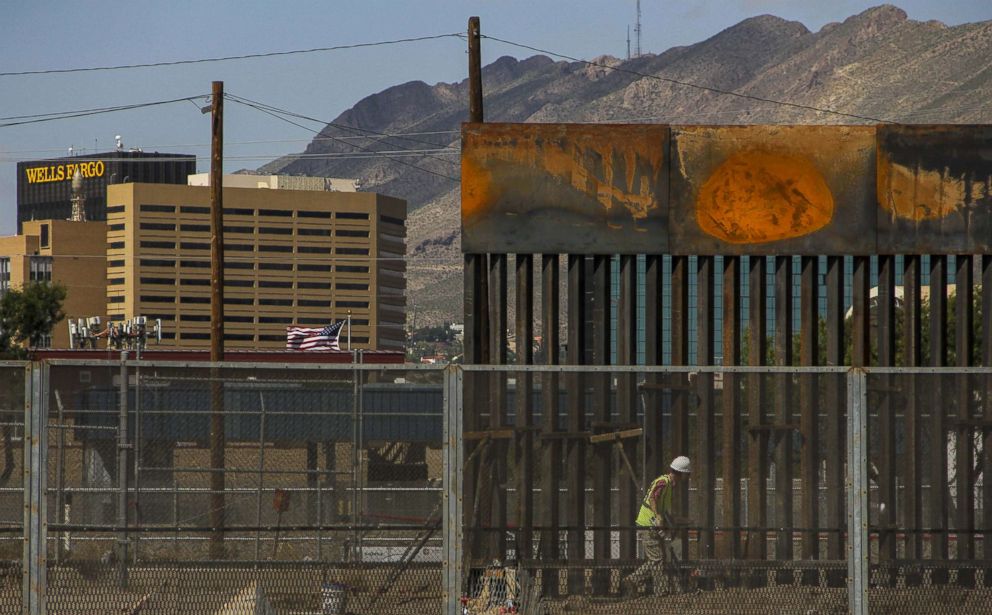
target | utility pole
[
  {"x": 217, "y": 436},
  {"x": 637, "y": 31}
]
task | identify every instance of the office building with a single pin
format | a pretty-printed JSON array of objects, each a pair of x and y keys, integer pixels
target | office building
[{"x": 291, "y": 257}]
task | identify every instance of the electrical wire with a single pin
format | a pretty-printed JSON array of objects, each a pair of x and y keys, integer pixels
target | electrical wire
[
  {"x": 49, "y": 117},
  {"x": 228, "y": 58},
  {"x": 289, "y": 121},
  {"x": 706, "y": 88}
]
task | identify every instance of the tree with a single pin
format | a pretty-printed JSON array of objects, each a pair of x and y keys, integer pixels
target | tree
[{"x": 28, "y": 315}]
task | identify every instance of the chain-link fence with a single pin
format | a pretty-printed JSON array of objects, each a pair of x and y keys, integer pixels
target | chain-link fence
[
  {"x": 365, "y": 489},
  {"x": 183, "y": 488}
]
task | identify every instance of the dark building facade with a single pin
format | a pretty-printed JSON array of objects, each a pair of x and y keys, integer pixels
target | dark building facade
[{"x": 44, "y": 187}]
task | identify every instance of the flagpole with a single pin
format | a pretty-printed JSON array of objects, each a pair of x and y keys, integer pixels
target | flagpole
[{"x": 349, "y": 330}]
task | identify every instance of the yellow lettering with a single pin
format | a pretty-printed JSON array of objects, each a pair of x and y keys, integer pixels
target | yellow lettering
[
  {"x": 99, "y": 168},
  {"x": 60, "y": 172},
  {"x": 32, "y": 174}
]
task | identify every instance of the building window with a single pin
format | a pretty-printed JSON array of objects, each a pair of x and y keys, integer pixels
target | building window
[
  {"x": 239, "y": 247},
  {"x": 392, "y": 220},
  {"x": 313, "y": 214},
  {"x": 276, "y": 248},
  {"x": 158, "y": 299},
  {"x": 351, "y": 215},
  {"x": 275, "y": 230},
  {"x": 166, "y": 281},
  {"x": 315, "y": 303},
  {"x": 195, "y": 264},
  {"x": 187, "y": 335},
  {"x": 282, "y": 213},
  {"x": 162, "y": 209},
  {"x": 4, "y": 274},
  {"x": 276, "y": 266},
  {"x": 115, "y": 263},
  {"x": 168, "y": 335},
  {"x": 167, "y": 245},
  {"x": 114, "y": 209},
  {"x": 115, "y": 281},
  {"x": 353, "y": 251},
  {"x": 157, "y": 226},
  {"x": 194, "y": 228},
  {"x": 238, "y": 229},
  {"x": 240, "y": 283},
  {"x": 194, "y": 317},
  {"x": 271, "y": 338},
  {"x": 239, "y": 318},
  {"x": 283, "y": 302},
  {"x": 239, "y": 337},
  {"x": 240, "y": 301},
  {"x": 156, "y": 262},
  {"x": 345, "y": 286},
  {"x": 194, "y": 282},
  {"x": 193, "y": 245},
  {"x": 116, "y": 227},
  {"x": 194, "y": 209},
  {"x": 195, "y": 300},
  {"x": 119, "y": 299},
  {"x": 237, "y": 265},
  {"x": 352, "y": 269},
  {"x": 44, "y": 235},
  {"x": 319, "y": 232},
  {"x": 352, "y": 304},
  {"x": 115, "y": 245},
  {"x": 40, "y": 269},
  {"x": 313, "y": 250},
  {"x": 317, "y": 285},
  {"x": 274, "y": 284},
  {"x": 349, "y": 233},
  {"x": 234, "y": 211},
  {"x": 308, "y": 267},
  {"x": 275, "y": 320}
]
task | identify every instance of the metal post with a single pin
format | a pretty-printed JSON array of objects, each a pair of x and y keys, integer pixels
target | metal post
[
  {"x": 454, "y": 451},
  {"x": 34, "y": 573},
  {"x": 60, "y": 538},
  {"x": 122, "y": 446},
  {"x": 355, "y": 469},
  {"x": 261, "y": 477},
  {"x": 857, "y": 492}
]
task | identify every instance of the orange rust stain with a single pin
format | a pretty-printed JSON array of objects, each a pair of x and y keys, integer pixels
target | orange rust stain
[
  {"x": 756, "y": 197},
  {"x": 477, "y": 188},
  {"x": 566, "y": 157},
  {"x": 920, "y": 194}
]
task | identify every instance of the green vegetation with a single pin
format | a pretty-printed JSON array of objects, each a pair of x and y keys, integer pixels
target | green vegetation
[{"x": 28, "y": 315}]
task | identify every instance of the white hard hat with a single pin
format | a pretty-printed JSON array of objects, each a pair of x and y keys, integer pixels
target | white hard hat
[{"x": 681, "y": 464}]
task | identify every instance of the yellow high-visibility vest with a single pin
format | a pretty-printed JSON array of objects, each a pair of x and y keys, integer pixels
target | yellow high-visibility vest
[{"x": 664, "y": 504}]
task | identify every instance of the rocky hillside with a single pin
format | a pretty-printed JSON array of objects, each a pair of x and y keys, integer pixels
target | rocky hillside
[{"x": 877, "y": 65}]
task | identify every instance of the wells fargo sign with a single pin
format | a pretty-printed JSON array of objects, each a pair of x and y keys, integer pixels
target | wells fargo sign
[{"x": 63, "y": 172}]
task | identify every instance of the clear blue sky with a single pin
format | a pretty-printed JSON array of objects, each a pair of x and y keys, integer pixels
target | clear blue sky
[{"x": 44, "y": 35}]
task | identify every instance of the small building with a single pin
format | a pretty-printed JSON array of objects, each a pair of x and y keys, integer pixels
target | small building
[{"x": 71, "y": 253}]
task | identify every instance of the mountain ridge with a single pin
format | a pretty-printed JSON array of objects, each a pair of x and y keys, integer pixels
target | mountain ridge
[{"x": 875, "y": 66}]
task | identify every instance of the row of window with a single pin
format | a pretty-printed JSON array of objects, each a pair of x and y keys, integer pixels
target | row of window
[
  {"x": 244, "y": 247},
  {"x": 263, "y": 266},
  {"x": 262, "y": 320},
  {"x": 300, "y": 284},
  {"x": 264, "y": 301},
  {"x": 262, "y": 230},
  {"x": 241, "y": 211}
]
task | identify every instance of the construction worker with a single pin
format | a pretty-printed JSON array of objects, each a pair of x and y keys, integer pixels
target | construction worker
[{"x": 651, "y": 520}]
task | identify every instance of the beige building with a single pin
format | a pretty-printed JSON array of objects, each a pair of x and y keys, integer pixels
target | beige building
[
  {"x": 292, "y": 257},
  {"x": 278, "y": 182},
  {"x": 72, "y": 253}
]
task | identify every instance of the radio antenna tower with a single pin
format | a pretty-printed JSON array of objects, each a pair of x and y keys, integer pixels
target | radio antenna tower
[
  {"x": 637, "y": 31},
  {"x": 628, "y": 42}
]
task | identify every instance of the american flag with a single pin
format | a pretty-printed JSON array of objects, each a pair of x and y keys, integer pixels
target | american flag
[{"x": 313, "y": 338}]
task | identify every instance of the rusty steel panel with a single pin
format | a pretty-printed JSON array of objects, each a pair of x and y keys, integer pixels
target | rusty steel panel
[
  {"x": 773, "y": 189},
  {"x": 566, "y": 188},
  {"x": 935, "y": 189}
]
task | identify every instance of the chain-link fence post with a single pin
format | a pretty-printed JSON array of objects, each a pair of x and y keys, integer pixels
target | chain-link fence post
[
  {"x": 35, "y": 582},
  {"x": 857, "y": 492},
  {"x": 454, "y": 451},
  {"x": 122, "y": 446}
]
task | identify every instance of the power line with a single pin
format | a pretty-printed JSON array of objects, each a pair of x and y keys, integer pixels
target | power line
[
  {"x": 706, "y": 88},
  {"x": 246, "y": 56},
  {"x": 335, "y": 125},
  {"x": 49, "y": 117},
  {"x": 298, "y": 125}
]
